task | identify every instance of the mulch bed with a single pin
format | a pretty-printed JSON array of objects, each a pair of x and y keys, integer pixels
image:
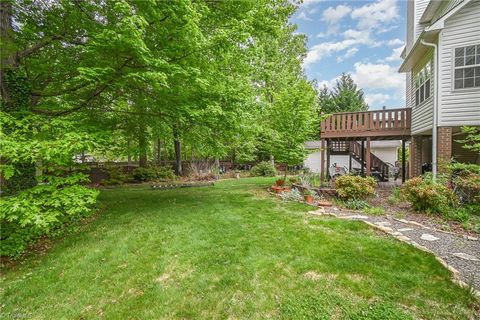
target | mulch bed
[{"x": 404, "y": 211}]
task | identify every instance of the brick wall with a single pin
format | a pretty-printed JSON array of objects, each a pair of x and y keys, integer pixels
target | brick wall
[
  {"x": 444, "y": 144},
  {"x": 416, "y": 156}
]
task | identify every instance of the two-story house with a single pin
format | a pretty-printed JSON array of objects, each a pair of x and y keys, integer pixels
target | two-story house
[{"x": 442, "y": 66}]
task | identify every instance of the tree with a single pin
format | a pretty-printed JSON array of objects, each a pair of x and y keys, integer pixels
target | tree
[{"x": 347, "y": 97}]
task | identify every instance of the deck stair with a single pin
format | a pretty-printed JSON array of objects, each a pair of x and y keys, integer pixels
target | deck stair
[{"x": 354, "y": 149}]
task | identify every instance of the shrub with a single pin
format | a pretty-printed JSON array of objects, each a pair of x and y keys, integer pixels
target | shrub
[
  {"x": 280, "y": 182},
  {"x": 467, "y": 187},
  {"x": 355, "y": 204},
  {"x": 374, "y": 211},
  {"x": 292, "y": 195},
  {"x": 265, "y": 169},
  {"x": 428, "y": 196},
  {"x": 355, "y": 187},
  {"x": 115, "y": 177},
  {"x": 43, "y": 209},
  {"x": 153, "y": 173}
]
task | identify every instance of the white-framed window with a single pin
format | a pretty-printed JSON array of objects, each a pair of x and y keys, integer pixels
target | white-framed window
[
  {"x": 422, "y": 84},
  {"x": 467, "y": 67}
]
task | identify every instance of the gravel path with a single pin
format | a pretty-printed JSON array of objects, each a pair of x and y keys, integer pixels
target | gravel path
[{"x": 460, "y": 253}]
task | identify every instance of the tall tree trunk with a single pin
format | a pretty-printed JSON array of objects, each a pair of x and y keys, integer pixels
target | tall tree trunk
[
  {"x": 216, "y": 166},
  {"x": 142, "y": 145},
  {"x": 129, "y": 155},
  {"x": 178, "y": 153}
]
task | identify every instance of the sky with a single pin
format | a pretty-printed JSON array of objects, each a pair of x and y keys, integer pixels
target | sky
[{"x": 362, "y": 38}]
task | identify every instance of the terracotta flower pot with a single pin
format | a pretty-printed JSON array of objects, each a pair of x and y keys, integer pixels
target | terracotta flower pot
[
  {"x": 276, "y": 189},
  {"x": 308, "y": 199}
]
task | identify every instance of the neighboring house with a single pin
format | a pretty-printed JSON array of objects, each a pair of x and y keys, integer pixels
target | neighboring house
[
  {"x": 442, "y": 66},
  {"x": 387, "y": 151}
]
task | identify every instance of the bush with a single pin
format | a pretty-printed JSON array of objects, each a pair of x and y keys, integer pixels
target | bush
[
  {"x": 428, "y": 196},
  {"x": 374, "y": 211},
  {"x": 115, "y": 177},
  {"x": 43, "y": 209},
  {"x": 467, "y": 187},
  {"x": 263, "y": 169},
  {"x": 355, "y": 187},
  {"x": 354, "y": 204},
  {"x": 293, "y": 195},
  {"x": 153, "y": 174}
]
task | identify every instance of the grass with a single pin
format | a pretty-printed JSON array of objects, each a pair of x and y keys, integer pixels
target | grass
[{"x": 227, "y": 251}]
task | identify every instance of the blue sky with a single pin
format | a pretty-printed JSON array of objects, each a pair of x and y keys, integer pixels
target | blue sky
[{"x": 363, "y": 38}]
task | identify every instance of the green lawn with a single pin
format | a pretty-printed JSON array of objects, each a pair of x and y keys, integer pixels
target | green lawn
[{"x": 227, "y": 252}]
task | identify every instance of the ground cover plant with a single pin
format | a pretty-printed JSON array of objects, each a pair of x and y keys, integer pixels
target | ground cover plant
[{"x": 227, "y": 251}]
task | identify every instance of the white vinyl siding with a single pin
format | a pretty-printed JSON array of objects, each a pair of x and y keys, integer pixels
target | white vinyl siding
[
  {"x": 420, "y": 6},
  {"x": 458, "y": 106},
  {"x": 422, "y": 114},
  {"x": 408, "y": 89},
  {"x": 445, "y": 8}
]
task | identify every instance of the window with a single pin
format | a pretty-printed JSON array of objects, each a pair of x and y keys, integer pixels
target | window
[
  {"x": 467, "y": 67},
  {"x": 422, "y": 84}
]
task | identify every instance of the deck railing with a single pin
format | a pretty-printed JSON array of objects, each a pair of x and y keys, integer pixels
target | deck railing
[{"x": 393, "y": 122}]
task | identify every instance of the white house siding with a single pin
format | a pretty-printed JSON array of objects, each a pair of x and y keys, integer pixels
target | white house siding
[
  {"x": 420, "y": 6},
  {"x": 422, "y": 114},
  {"x": 410, "y": 25},
  {"x": 445, "y": 8},
  {"x": 408, "y": 90},
  {"x": 459, "y": 107}
]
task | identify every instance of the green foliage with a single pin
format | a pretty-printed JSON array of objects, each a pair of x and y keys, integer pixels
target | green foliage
[
  {"x": 292, "y": 195},
  {"x": 41, "y": 209},
  {"x": 429, "y": 196},
  {"x": 374, "y": 211},
  {"x": 355, "y": 204},
  {"x": 472, "y": 139},
  {"x": 395, "y": 197},
  {"x": 264, "y": 168},
  {"x": 347, "y": 97},
  {"x": 115, "y": 177},
  {"x": 153, "y": 174},
  {"x": 355, "y": 187}
]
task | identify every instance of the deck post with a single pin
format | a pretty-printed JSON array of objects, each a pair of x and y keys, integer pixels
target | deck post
[
  {"x": 368, "y": 162},
  {"x": 362, "y": 166},
  {"x": 404, "y": 169},
  {"x": 328, "y": 159},
  {"x": 322, "y": 161},
  {"x": 349, "y": 162}
]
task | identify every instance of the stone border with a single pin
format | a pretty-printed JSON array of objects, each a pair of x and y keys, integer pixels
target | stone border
[{"x": 455, "y": 273}]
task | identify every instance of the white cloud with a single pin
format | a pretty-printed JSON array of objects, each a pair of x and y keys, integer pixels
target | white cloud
[
  {"x": 374, "y": 98},
  {"x": 328, "y": 83},
  {"x": 395, "y": 56},
  {"x": 351, "y": 38},
  {"x": 395, "y": 42},
  {"x": 376, "y": 15},
  {"x": 378, "y": 76},
  {"x": 350, "y": 53},
  {"x": 307, "y": 3},
  {"x": 334, "y": 15},
  {"x": 303, "y": 16}
]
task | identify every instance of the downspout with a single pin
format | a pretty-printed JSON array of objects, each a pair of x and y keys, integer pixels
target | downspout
[{"x": 435, "y": 107}]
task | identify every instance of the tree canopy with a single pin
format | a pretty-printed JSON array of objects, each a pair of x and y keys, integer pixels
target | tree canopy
[{"x": 129, "y": 79}]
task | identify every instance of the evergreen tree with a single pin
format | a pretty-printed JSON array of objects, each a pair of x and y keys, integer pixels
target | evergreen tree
[{"x": 347, "y": 97}]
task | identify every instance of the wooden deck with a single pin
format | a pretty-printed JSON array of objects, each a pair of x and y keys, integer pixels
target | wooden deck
[{"x": 393, "y": 124}]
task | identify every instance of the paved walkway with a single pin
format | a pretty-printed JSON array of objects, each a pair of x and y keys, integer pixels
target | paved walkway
[{"x": 459, "y": 253}]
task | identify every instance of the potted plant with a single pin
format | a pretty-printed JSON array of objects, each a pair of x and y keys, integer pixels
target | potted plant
[
  {"x": 280, "y": 182},
  {"x": 308, "y": 195}
]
